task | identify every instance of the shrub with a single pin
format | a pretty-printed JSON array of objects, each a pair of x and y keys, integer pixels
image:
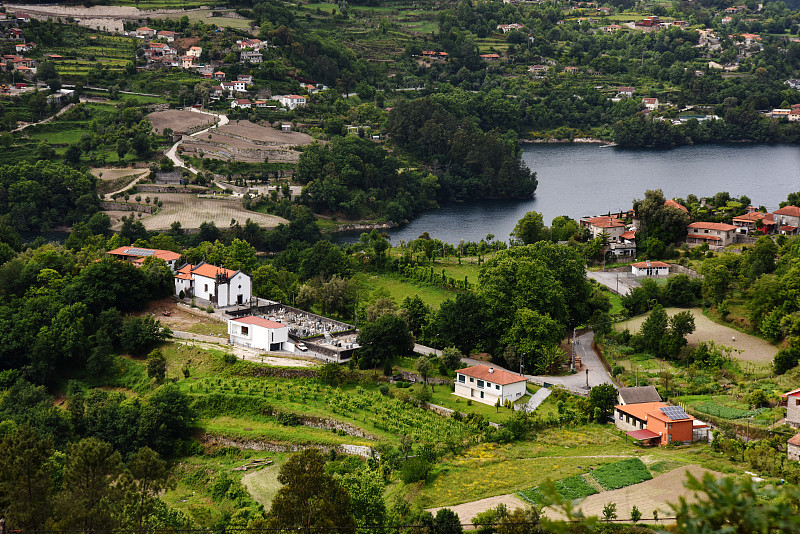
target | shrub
[
  {"x": 414, "y": 470},
  {"x": 182, "y": 295},
  {"x": 210, "y": 309},
  {"x": 288, "y": 418},
  {"x": 229, "y": 359}
]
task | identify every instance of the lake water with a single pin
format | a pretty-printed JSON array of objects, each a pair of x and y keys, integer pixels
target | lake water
[{"x": 586, "y": 180}]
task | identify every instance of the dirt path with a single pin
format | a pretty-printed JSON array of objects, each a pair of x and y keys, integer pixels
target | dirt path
[
  {"x": 211, "y": 343},
  {"x": 749, "y": 348},
  {"x": 142, "y": 174},
  {"x": 48, "y": 119},
  {"x": 656, "y": 494}
]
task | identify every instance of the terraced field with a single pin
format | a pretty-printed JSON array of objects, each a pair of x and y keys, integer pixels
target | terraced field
[
  {"x": 244, "y": 141},
  {"x": 192, "y": 211}
]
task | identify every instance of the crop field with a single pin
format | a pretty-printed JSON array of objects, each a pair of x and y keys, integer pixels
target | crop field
[
  {"x": 236, "y": 140},
  {"x": 205, "y": 16},
  {"x": 192, "y": 211},
  {"x": 727, "y": 407},
  {"x": 621, "y": 474},
  {"x": 178, "y": 120},
  {"x": 747, "y": 348}
]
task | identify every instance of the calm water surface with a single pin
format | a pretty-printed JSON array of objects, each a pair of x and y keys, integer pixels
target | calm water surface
[{"x": 585, "y": 180}]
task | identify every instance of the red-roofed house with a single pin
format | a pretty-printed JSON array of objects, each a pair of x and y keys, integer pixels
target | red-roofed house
[
  {"x": 715, "y": 234},
  {"x": 137, "y": 255},
  {"x": 792, "y": 408},
  {"x": 259, "y": 333},
  {"x": 291, "y": 101},
  {"x": 612, "y": 226},
  {"x": 168, "y": 35},
  {"x": 219, "y": 286},
  {"x": 486, "y": 384},
  {"x": 650, "y": 103},
  {"x": 144, "y": 31},
  {"x": 788, "y": 219},
  {"x": 650, "y": 268},
  {"x": 490, "y": 57},
  {"x": 243, "y": 103},
  {"x": 660, "y": 422},
  {"x": 793, "y": 447},
  {"x": 748, "y": 222},
  {"x": 672, "y": 204}
]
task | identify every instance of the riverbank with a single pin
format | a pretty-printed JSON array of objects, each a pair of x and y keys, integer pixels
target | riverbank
[{"x": 576, "y": 140}]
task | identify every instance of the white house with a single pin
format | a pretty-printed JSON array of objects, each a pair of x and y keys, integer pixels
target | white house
[
  {"x": 650, "y": 103},
  {"x": 221, "y": 287},
  {"x": 243, "y": 103},
  {"x": 259, "y": 333},
  {"x": 194, "y": 51},
  {"x": 650, "y": 268},
  {"x": 291, "y": 101},
  {"x": 253, "y": 56},
  {"x": 715, "y": 234},
  {"x": 486, "y": 384},
  {"x": 144, "y": 31},
  {"x": 168, "y": 35},
  {"x": 787, "y": 219}
]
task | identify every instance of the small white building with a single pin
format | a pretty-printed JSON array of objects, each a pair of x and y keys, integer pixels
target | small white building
[
  {"x": 650, "y": 268},
  {"x": 194, "y": 51},
  {"x": 219, "y": 286},
  {"x": 650, "y": 103},
  {"x": 291, "y": 101},
  {"x": 486, "y": 384},
  {"x": 259, "y": 333}
]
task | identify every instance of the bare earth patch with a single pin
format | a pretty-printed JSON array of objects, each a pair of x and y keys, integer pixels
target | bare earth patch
[
  {"x": 192, "y": 211},
  {"x": 655, "y": 494},
  {"x": 753, "y": 349},
  {"x": 178, "y": 120},
  {"x": 263, "y": 485},
  {"x": 243, "y": 140},
  {"x": 111, "y": 173}
]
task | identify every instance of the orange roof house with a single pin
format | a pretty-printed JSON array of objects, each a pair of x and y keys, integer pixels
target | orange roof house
[
  {"x": 137, "y": 255},
  {"x": 488, "y": 385},
  {"x": 219, "y": 286},
  {"x": 673, "y": 204}
]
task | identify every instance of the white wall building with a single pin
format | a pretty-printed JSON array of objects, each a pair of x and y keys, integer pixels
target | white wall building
[
  {"x": 650, "y": 268},
  {"x": 486, "y": 384},
  {"x": 291, "y": 101},
  {"x": 259, "y": 333},
  {"x": 221, "y": 287}
]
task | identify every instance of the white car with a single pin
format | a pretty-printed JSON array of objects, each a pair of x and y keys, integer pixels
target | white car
[{"x": 301, "y": 346}]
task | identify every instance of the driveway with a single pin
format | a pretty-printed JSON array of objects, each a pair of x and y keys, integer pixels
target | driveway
[
  {"x": 172, "y": 153},
  {"x": 620, "y": 283},
  {"x": 593, "y": 371}
]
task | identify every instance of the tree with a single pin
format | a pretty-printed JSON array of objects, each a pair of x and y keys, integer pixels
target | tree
[
  {"x": 91, "y": 490},
  {"x": 603, "y": 397},
  {"x": 636, "y": 514},
  {"x": 529, "y": 229},
  {"x": 659, "y": 221},
  {"x": 141, "y": 334},
  {"x": 423, "y": 367},
  {"x": 447, "y": 522},
  {"x": 309, "y": 498},
  {"x": 148, "y": 476},
  {"x": 416, "y": 313},
  {"x": 451, "y": 358},
  {"x": 384, "y": 339},
  {"x": 610, "y": 511},
  {"x": 156, "y": 365},
  {"x": 365, "y": 488},
  {"x": 25, "y": 479}
]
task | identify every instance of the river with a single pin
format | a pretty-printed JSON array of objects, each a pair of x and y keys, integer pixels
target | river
[{"x": 584, "y": 180}]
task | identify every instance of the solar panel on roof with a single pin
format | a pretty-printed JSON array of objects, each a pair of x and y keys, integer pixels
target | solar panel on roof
[
  {"x": 674, "y": 412},
  {"x": 139, "y": 252}
]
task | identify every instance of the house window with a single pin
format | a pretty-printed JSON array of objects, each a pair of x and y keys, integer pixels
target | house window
[
  {"x": 620, "y": 415},
  {"x": 481, "y": 394},
  {"x": 206, "y": 288},
  {"x": 669, "y": 426},
  {"x": 245, "y": 330},
  {"x": 471, "y": 379},
  {"x": 496, "y": 386},
  {"x": 461, "y": 378},
  {"x": 706, "y": 231},
  {"x": 480, "y": 384}
]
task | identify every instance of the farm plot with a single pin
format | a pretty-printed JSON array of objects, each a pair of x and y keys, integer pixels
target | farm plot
[
  {"x": 248, "y": 142},
  {"x": 206, "y": 17},
  {"x": 192, "y": 211},
  {"x": 746, "y": 347},
  {"x": 178, "y": 120}
]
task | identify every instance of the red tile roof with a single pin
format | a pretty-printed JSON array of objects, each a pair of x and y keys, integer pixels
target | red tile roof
[
  {"x": 794, "y": 440},
  {"x": 259, "y": 321},
  {"x": 166, "y": 255},
  {"x": 661, "y": 416},
  {"x": 712, "y": 226},
  {"x": 630, "y": 234},
  {"x": 605, "y": 222},
  {"x": 787, "y": 228},
  {"x": 640, "y": 410},
  {"x": 671, "y": 202},
  {"x": 646, "y": 264},
  {"x": 794, "y": 393},
  {"x": 490, "y": 374},
  {"x": 792, "y": 211},
  {"x": 753, "y": 216},
  {"x": 701, "y": 236},
  {"x": 211, "y": 271}
]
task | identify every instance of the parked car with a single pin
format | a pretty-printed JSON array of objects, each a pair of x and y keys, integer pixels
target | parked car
[{"x": 301, "y": 346}]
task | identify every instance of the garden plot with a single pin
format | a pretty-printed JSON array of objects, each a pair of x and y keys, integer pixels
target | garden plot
[
  {"x": 178, "y": 120},
  {"x": 747, "y": 348},
  {"x": 244, "y": 141},
  {"x": 192, "y": 211}
]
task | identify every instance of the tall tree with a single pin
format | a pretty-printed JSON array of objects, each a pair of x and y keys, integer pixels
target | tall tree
[
  {"x": 310, "y": 498},
  {"x": 25, "y": 479}
]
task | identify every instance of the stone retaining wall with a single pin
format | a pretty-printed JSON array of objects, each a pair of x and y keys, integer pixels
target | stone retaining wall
[
  {"x": 126, "y": 206},
  {"x": 356, "y": 450},
  {"x": 169, "y": 189}
]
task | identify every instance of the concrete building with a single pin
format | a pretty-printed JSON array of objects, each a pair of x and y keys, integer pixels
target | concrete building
[
  {"x": 613, "y": 226},
  {"x": 259, "y": 333},
  {"x": 718, "y": 235},
  {"x": 792, "y": 408},
  {"x": 486, "y": 384},
  {"x": 793, "y": 447},
  {"x": 787, "y": 220},
  {"x": 137, "y": 255},
  {"x": 655, "y": 422},
  {"x": 650, "y": 268}
]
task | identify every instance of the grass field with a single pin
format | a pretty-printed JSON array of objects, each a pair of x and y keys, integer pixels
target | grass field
[
  {"x": 204, "y": 16},
  {"x": 442, "y": 396},
  {"x": 399, "y": 288}
]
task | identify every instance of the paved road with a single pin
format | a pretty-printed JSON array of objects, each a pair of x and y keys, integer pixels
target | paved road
[
  {"x": 536, "y": 399},
  {"x": 422, "y": 349},
  {"x": 48, "y": 119},
  {"x": 591, "y": 361},
  {"x": 620, "y": 283}
]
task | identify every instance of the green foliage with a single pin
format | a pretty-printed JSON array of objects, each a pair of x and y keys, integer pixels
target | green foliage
[
  {"x": 141, "y": 334},
  {"x": 386, "y": 338},
  {"x": 621, "y": 474},
  {"x": 156, "y": 365},
  {"x": 726, "y": 412},
  {"x": 414, "y": 470},
  {"x": 603, "y": 397}
]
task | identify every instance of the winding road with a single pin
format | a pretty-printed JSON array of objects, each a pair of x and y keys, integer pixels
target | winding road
[{"x": 172, "y": 153}]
